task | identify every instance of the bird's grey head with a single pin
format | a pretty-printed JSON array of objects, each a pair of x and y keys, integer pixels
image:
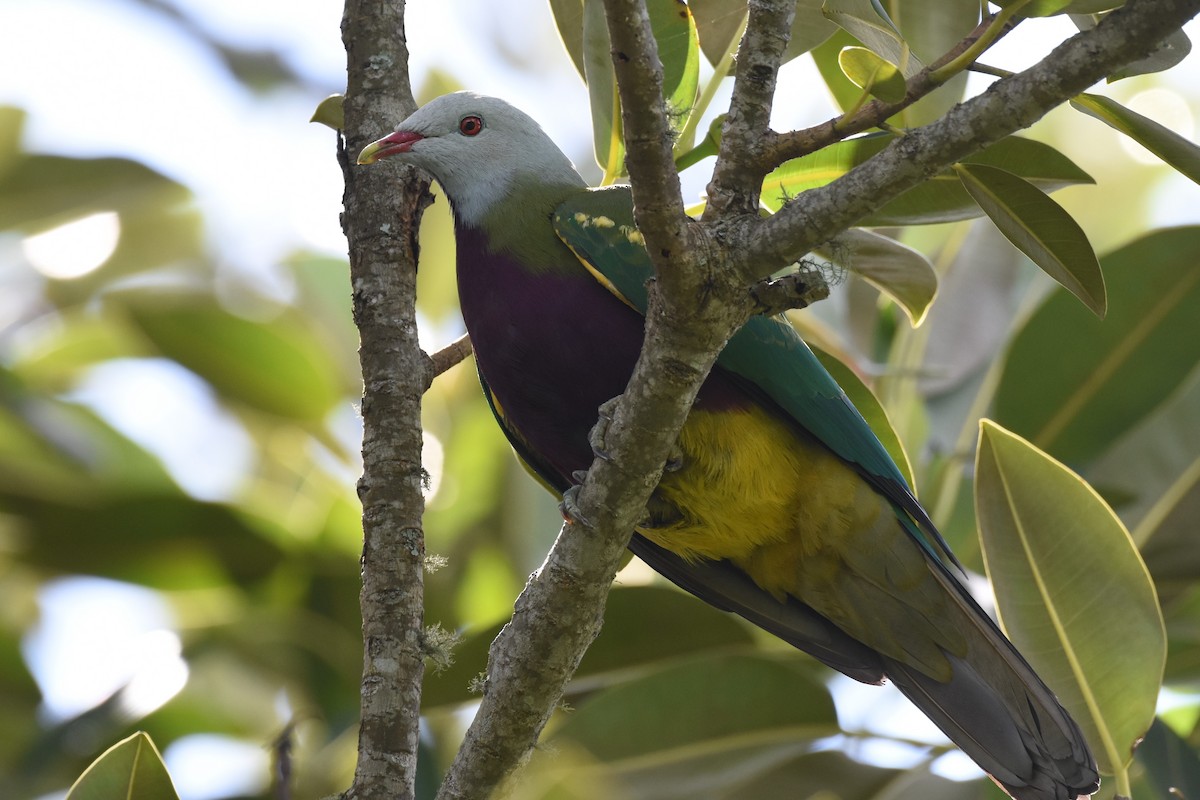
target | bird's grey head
[{"x": 479, "y": 148}]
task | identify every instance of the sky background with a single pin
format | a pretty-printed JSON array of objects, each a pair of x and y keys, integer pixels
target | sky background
[{"x": 120, "y": 79}]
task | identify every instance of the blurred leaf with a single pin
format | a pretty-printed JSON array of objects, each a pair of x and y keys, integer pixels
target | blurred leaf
[
  {"x": 1071, "y": 590},
  {"x": 329, "y": 112},
  {"x": 568, "y": 18},
  {"x": 42, "y": 192},
  {"x": 1072, "y": 383},
  {"x": 132, "y": 769},
  {"x": 700, "y": 708},
  {"x": 872, "y": 74},
  {"x": 643, "y": 626},
  {"x": 870, "y": 408},
  {"x": 1168, "y": 530},
  {"x": 942, "y": 198},
  {"x": 867, "y": 21},
  {"x": 1040, "y": 228},
  {"x": 904, "y": 274},
  {"x": 1169, "y": 52},
  {"x": 282, "y": 367},
  {"x": 1170, "y": 761},
  {"x": 973, "y": 317},
  {"x": 12, "y": 126},
  {"x": 813, "y": 774},
  {"x": 155, "y": 539},
  {"x": 1178, "y": 152}
]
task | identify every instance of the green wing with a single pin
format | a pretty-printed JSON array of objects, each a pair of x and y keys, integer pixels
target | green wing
[{"x": 599, "y": 228}]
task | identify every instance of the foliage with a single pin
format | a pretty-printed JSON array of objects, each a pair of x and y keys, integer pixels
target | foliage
[{"x": 675, "y": 699}]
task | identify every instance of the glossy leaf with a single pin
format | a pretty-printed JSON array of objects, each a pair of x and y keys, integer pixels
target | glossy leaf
[
  {"x": 1073, "y": 383},
  {"x": 1180, "y": 153},
  {"x": 1040, "y": 228},
  {"x": 904, "y": 274},
  {"x": 643, "y": 625},
  {"x": 1071, "y": 591},
  {"x": 131, "y": 769},
  {"x": 701, "y": 707},
  {"x": 868, "y": 22},
  {"x": 872, "y": 74},
  {"x": 942, "y": 198}
]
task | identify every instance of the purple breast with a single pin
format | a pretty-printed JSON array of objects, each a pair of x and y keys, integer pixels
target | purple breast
[{"x": 553, "y": 345}]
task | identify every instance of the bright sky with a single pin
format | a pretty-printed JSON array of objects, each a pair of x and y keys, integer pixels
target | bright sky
[{"x": 113, "y": 78}]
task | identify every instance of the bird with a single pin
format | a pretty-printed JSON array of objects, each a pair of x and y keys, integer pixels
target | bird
[{"x": 779, "y": 503}]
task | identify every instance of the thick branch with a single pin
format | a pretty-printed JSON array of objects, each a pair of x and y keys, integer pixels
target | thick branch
[
  {"x": 382, "y": 211},
  {"x": 737, "y": 176},
  {"x": 1006, "y": 107}
]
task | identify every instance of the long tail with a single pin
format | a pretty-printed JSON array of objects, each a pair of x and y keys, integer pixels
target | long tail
[{"x": 1001, "y": 714}]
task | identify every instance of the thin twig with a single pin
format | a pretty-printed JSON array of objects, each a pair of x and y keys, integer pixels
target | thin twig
[{"x": 449, "y": 356}]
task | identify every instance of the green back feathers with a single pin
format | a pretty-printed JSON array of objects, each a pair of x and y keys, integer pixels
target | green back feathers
[{"x": 599, "y": 228}]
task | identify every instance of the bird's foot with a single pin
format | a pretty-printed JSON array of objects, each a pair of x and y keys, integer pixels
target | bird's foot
[
  {"x": 569, "y": 508},
  {"x": 596, "y": 437}
]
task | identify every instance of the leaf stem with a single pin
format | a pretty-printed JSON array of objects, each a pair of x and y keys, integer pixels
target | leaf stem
[{"x": 968, "y": 56}]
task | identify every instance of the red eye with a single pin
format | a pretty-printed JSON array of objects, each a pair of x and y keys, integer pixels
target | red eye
[{"x": 470, "y": 126}]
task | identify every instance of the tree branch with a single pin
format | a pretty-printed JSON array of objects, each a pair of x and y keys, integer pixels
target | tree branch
[
  {"x": 1007, "y": 106},
  {"x": 697, "y": 302},
  {"x": 737, "y": 176},
  {"x": 449, "y": 356},
  {"x": 781, "y": 147},
  {"x": 382, "y": 214}
]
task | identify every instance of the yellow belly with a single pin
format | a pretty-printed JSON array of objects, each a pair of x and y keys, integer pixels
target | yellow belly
[{"x": 754, "y": 490}]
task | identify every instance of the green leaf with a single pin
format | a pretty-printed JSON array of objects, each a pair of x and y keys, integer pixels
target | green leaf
[
  {"x": 867, "y": 21},
  {"x": 42, "y": 192},
  {"x": 1040, "y": 228},
  {"x": 329, "y": 112},
  {"x": 282, "y": 367},
  {"x": 1046, "y": 8},
  {"x": 131, "y": 769},
  {"x": 678, "y": 50},
  {"x": 1071, "y": 590},
  {"x": 871, "y": 73},
  {"x": 904, "y": 274},
  {"x": 718, "y": 22},
  {"x": 1171, "y": 762},
  {"x": 932, "y": 28},
  {"x": 568, "y": 18},
  {"x": 1180, "y": 153},
  {"x": 942, "y": 198},
  {"x": 643, "y": 625},
  {"x": 700, "y": 708},
  {"x": 1073, "y": 383},
  {"x": 1169, "y": 52},
  {"x": 871, "y": 409}
]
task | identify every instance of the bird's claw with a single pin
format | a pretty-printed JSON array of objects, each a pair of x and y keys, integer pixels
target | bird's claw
[
  {"x": 674, "y": 460},
  {"x": 599, "y": 431},
  {"x": 569, "y": 508}
]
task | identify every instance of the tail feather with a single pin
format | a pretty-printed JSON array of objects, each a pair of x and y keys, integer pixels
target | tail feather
[{"x": 1000, "y": 713}]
